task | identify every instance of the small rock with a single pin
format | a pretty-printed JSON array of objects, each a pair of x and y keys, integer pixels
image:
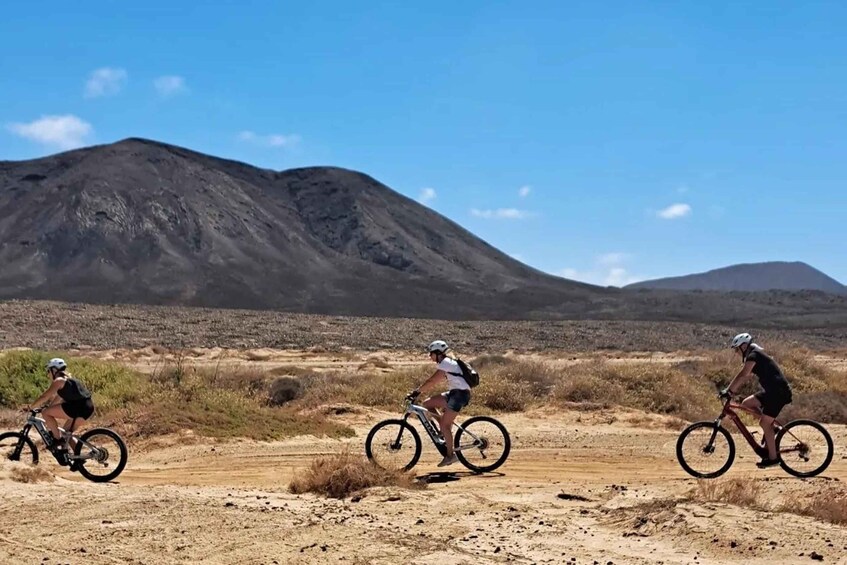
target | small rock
[
  {"x": 816, "y": 556},
  {"x": 229, "y": 504}
]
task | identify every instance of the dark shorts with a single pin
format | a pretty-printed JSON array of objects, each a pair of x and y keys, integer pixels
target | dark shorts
[
  {"x": 774, "y": 400},
  {"x": 457, "y": 399},
  {"x": 79, "y": 408}
]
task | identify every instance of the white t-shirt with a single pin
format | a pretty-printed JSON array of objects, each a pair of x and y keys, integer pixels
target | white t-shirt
[{"x": 454, "y": 374}]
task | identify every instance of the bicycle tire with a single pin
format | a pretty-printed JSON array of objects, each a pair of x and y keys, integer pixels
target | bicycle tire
[
  {"x": 81, "y": 463},
  {"x": 786, "y": 466},
  {"x": 721, "y": 432},
  {"x": 33, "y": 457},
  {"x": 403, "y": 427},
  {"x": 507, "y": 443}
]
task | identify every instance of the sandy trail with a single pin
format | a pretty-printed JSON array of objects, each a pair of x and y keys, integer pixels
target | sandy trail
[{"x": 207, "y": 502}]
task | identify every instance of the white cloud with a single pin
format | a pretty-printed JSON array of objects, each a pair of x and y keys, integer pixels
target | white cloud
[
  {"x": 607, "y": 271},
  {"x": 612, "y": 258},
  {"x": 270, "y": 140},
  {"x": 427, "y": 195},
  {"x": 63, "y": 132},
  {"x": 675, "y": 211},
  {"x": 501, "y": 214},
  {"x": 170, "y": 85},
  {"x": 524, "y": 191},
  {"x": 106, "y": 81}
]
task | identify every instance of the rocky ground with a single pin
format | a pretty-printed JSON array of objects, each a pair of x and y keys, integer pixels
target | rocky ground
[{"x": 53, "y": 325}]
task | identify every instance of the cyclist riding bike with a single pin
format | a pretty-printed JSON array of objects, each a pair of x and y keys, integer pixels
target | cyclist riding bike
[
  {"x": 66, "y": 398},
  {"x": 451, "y": 402},
  {"x": 774, "y": 396}
]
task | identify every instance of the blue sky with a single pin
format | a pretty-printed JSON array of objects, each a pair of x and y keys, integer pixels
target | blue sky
[{"x": 603, "y": 141}]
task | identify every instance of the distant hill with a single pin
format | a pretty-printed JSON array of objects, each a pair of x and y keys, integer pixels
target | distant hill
[{"x": 752, "y": 277}]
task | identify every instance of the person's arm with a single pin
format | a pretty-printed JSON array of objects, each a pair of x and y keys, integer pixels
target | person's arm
[
  {"x": 437, "y": 376},
  {"x": 49, "y": 393},
  {"x": 741, "y": 377}
]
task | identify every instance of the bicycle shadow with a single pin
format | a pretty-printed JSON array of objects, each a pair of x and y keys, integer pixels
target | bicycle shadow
[{"x": 440, "y": 477}]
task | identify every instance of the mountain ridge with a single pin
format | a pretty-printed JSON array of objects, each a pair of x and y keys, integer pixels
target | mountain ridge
[{"x": 751, "y": 277}]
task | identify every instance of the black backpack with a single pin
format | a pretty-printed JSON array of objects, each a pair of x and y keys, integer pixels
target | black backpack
[{"x": 468, "y": 373}]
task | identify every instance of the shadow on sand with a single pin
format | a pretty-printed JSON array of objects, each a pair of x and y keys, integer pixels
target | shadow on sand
[{"x": 450, "y": 476}]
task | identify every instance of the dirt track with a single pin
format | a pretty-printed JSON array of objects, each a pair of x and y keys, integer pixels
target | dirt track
[{"x": 181, "y": 501}]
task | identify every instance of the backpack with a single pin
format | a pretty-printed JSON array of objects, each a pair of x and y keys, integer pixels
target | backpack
[{"x": 468, "y": 373}]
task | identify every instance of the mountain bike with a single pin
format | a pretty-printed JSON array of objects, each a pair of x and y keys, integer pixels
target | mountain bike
[
  {"x": 481, "y": 443},
  {"x": 99, "y": 454},
  {"x": 706, "y": 449}
]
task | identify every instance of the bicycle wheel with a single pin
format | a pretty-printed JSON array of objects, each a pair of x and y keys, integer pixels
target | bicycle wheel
[
  {"x": 100, "y": 455},
  {"x": 14, "y": 446},
  {"x": 705, "y": 450},
  {"x": 804, "y": 447},
  {"x": 482, "y": 444},
  {"x": 393, "y": 445}
]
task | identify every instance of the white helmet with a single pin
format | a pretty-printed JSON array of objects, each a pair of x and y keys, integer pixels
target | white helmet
[
  {"x": 57, "y": 363},
  {"x": 438, "y": 346},
  {"x": 740, "y": 340}
]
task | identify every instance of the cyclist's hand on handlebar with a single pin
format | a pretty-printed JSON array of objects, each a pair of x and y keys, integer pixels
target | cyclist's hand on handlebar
[
  {"x": 412, "y": 396},
  {"x": 725, "y": 394}
]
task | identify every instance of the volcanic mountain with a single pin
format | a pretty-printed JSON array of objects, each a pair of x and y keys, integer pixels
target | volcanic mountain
[
  {"x": 752, "y": 277},
  {"x": 144, "y": 222}
]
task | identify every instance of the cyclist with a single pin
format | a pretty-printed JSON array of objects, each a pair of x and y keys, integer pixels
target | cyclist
[
  {"x": 67, "y": 398},
  {"x": 774, "y": 396},
  {"x": 451, "y": 402}
]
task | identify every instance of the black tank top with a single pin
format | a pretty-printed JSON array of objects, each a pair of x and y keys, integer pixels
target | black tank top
[
  {"x": 769, "y": 374},
  {"x": 74, "y": 391}
]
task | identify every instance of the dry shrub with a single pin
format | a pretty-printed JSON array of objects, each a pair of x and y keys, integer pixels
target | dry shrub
[
  {"x": 291, "y": 371},
  {"x": 383, "y": 390},
  {"x": 244, "y": 380},
  {"x": 284, "y": 390},
  {"x": 500, "y": 393},
  {"x": 829, "y": 407},
  {"x": 342, "y": 474},
  {"x": 30, "y": 474},
  {"x": 644, "y": 386},
  {"x": 739, "y": 492},
  {"x": 484, "y": 362},
  {"x": 826, "y": 506}
]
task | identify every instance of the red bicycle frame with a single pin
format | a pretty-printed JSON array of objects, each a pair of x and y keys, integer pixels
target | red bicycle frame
[{"x": 729, "y": 409}]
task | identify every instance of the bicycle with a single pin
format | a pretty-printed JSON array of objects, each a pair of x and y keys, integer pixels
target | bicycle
[
  {"x": 797, "y": 443},
  {"x": 90, "y": 452},
  {"x": 403, "y": 445}
]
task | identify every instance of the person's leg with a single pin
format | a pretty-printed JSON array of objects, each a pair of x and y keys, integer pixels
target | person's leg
[
  {"x": 752, "y": 403},
  {"x": 767, "y": 428},
  {"x": 436, "y": 406},
  {"x": 447, "y": 430},
  {"x": 50, "y": 415},
  {"x": 70, "y": 426}
]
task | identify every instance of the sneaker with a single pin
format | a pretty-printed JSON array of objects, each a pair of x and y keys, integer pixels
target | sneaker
[
  {"x": 448, "y": 461},
  {"x": 765, "y": 463}
]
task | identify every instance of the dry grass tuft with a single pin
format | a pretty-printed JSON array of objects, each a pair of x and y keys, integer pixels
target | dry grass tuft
[
  {"x": 343, "y": 474},
  {"x": 739, "y": 492},
  {"x": 826, "y": 506},
  {"x": 30, "y": 474}
]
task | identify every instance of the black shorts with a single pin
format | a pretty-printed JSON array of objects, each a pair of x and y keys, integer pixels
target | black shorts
[
  {"x": 457, "y": 399},
  {"x": 79, "y": 408},
  {"x": 774, "y": 400}
]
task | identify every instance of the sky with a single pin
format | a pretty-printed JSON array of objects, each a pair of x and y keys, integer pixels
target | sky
[{"x": 608, "y": 142}]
